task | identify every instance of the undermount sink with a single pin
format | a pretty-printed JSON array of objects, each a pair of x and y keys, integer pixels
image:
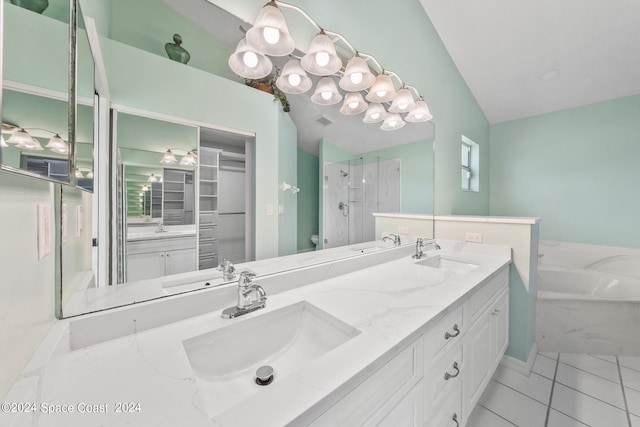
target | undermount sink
[
  {"x": 225, "y": 360},
  {"x": 448, "y": 264}
]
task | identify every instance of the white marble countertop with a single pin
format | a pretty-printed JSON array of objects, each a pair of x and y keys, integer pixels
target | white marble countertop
[
  {"x": 464, "y": 218},
  {"x": 390, "y": 303}
]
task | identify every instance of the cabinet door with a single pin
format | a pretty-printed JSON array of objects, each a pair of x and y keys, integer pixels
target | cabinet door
[
  {"x": 180, "y": 261},
  {"x": 500, "y": 326},
  {"x": 409, "y": 412},
  {"x": 478, "y": 356},
  {"x": 145, "y": 266}
]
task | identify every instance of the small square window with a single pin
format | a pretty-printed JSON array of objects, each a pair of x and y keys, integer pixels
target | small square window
[{"x": 470, "y": 165}]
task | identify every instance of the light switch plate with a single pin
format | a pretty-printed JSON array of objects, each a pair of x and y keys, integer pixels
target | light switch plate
[
  {"x": 64, "y": 222},
  {"x": 269, "y": 210},
  {"x": 403, "y": 230},
  {"x": 474, "y": 237},
  {"x": 79, "y": 220},
  {"x": 45, "y": 243},
  {"x": 280, "y": 209}
]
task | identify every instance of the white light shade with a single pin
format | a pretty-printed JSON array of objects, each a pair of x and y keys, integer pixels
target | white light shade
[
  {"x": 294, "y": 79},
  {"x": 326, "y": 92},
  {"x": 270, "y": 34},
  {"x": 419, "y": 113},
  {"x": 375, "y": 113},
  {"x": 403, "y": 102},
  {"x": 79, "y": 174},
  {"x": 152, "y": 178},
  {"x": 32, "y": 144},
  {"x": 169, "y": 158},
  {"x": 188, "y": 159},
  {"x": 321, "y": 58},
  {"x": 90, "y": 174},
  {"x": 57, "y": 145},
  {"x": 353, "y": 104},
  {"x": 3, "y": 143},
  {"x": 382, "y": 90},
  {"x": 357, "y": 75},
  {"x": 20, "y": 137},
  {"x": 248, "y": 63},
  {"x": 393, "y": 122}
]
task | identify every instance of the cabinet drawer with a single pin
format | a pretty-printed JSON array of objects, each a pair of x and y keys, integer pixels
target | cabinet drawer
[
  {"x": 445, "y": 375},
  {"x": 207, "y": 262},
  {"x": 445, "y": 334},
  {"x": 206, "y": 233},
  {"x": 448, "y": 412},
  {"x": 208, "y": 218},
  {"x": 208, "y": 248},
  {"x": 386, "y": 387},
  {"x": 482, "y": 297}
]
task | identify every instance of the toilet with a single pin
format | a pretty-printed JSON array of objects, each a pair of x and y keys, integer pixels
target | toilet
[{"x": 314, "y": 239}]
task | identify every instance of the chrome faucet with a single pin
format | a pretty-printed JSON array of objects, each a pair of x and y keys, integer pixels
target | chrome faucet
[
  {"x": 228, "y": 270},
  {"x": 421, "y": 244},
  {"x": 160, "y": 228},
  {"x": 251, "y": 297},
  {"x": 393, "y": 237}
]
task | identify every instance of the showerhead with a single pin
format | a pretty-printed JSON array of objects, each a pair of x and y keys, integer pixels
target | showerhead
[{"x": 343, "y": 173}]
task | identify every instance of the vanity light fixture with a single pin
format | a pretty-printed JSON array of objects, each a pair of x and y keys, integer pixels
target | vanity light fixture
[
  {"x": 353, "y": 104},
  {"x": 33, "y": 144},
  {"x": 403, "y": 102},
  {"x": 57, "y": 145},
  {"x": 293, "y": 79},
  {"x": 79, "y": 174},
  {"x": 326, "y": 92},
  {"x": 248, "y": 63},
  {"x": 357, "y": 75},
  {"x": 3, "y": 143},
  {"x": 90, "y": 174},
  {"x": 321, "y": 59},
  {"x": 375, "y": 113},
  {"x": 189, "y": 159},
  {"x": 20, "y": 136},
  {"x": 392, "y": 122},
  {"x": 419, "y": 113},
  {"x": 152, "y": 178},
  {"x": 382, "y": 89},
  {"x": 168, "y": 158},
  {"x": 270, "y": 33}
]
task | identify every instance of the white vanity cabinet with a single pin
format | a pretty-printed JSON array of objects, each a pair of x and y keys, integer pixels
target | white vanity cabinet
[
  {"x": 149, "y": 259},
  {"x": 439, "y": 378}
]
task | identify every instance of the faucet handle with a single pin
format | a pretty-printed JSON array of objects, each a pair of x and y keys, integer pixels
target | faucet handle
[{"x": 246, "y": 277}]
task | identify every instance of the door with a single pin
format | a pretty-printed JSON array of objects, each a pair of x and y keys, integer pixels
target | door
[
  {"x": 500, "y": 322},
  {"x": 179, "y": 261},
  {"x": 479, "y": 359},
  {"x": 145, "y": 266}
]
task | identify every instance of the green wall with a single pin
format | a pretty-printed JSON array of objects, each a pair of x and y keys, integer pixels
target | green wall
[
  {"x": 287, "y": 172},
  {"x": 308, "y": 199},
  {"x": 577, "y": 169}
]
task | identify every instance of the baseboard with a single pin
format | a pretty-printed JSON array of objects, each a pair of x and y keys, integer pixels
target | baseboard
[{"x": 518, "y": 365}]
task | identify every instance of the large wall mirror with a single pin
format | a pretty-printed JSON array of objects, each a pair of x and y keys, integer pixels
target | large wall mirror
[{"x": 191, "y": 216}]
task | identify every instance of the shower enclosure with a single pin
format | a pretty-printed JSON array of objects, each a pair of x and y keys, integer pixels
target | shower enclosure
[{"x": 352, "y": 191}]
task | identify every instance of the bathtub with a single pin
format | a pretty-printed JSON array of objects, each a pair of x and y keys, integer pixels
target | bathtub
[{"x": 587, "y": 311}]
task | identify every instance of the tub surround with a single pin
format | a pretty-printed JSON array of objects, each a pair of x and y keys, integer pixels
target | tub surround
[
  {"x": 391, "y": 303},
  {"x": 588, "y": 298}
]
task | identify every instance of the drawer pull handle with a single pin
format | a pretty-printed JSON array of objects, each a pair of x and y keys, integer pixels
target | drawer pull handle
[
  {"x": 447, "y": 335},
  {"x": 496, "y": 312},
  {"x": 447, "y": 375},
  {"x": 455, "y": 420}
]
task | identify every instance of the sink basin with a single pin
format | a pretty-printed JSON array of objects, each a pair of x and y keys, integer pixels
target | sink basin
[
  {"x": 225, "y": 360},
  {"x": 448, "y": 264}
]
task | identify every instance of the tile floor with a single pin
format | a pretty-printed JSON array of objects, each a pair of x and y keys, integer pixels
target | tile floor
[{"x": 563, "y": 390}]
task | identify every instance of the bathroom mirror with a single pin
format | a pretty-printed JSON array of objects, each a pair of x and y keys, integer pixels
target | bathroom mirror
[{"x": 324, "y": 137}]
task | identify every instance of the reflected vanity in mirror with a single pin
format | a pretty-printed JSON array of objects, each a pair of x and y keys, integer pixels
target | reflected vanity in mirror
[{"x": 173, "y": 231}]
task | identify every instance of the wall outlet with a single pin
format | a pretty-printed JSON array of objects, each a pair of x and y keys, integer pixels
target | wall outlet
[
  {"x": 403, "y": 230},
  {"x": 474, "y": 237},
  {"x": 269, "y": 210},
  {"x": 280, "y": 209}
]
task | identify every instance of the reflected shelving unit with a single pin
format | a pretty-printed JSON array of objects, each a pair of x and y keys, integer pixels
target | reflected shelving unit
[{"x": 208, "y": 180}]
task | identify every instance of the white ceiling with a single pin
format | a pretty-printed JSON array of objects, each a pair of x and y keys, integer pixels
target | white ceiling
[{"x": 502, "y": 48}]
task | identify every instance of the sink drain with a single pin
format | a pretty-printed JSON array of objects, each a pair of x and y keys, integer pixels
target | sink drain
[{"x": 264, "y": 375}]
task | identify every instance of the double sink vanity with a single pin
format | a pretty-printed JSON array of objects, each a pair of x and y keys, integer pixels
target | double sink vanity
[{"x": 379, "y": 338}]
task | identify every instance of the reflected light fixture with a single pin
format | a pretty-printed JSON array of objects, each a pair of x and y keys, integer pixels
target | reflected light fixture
[
  {"x": 3, "y": 143},
  {"x": 169, "y": 158},
  {"x": 419, "y": 113},
  {"x": 20, "y": 137},
  {"x": 57, "y": 145},
  {"x": 90, "y": 174},
  {"x": 79, "y": 174},
  {"x": 375, "y": 113},
  {"x": 393, "y": 122},
  {"x": 321, "y": 58},
  {"x": 293, "y": 79},
  {"x": 403, "y": 102},
  {"x": 33, "y": 144},
  {"x": 270, "y": 34},
  {"x": 152, "y": 178},
  {"x": 326, "y": 92},
  {"x": 357, "y": 75},
  {"x": 353, "y": 104},
  {"x": 189, "y": 159},
  {"x": 382, "y": 90},
  {"x": 249, "y": 63}
]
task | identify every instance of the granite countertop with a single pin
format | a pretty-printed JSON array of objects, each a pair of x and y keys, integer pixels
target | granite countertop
[{"x": 390, "y": 303}]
